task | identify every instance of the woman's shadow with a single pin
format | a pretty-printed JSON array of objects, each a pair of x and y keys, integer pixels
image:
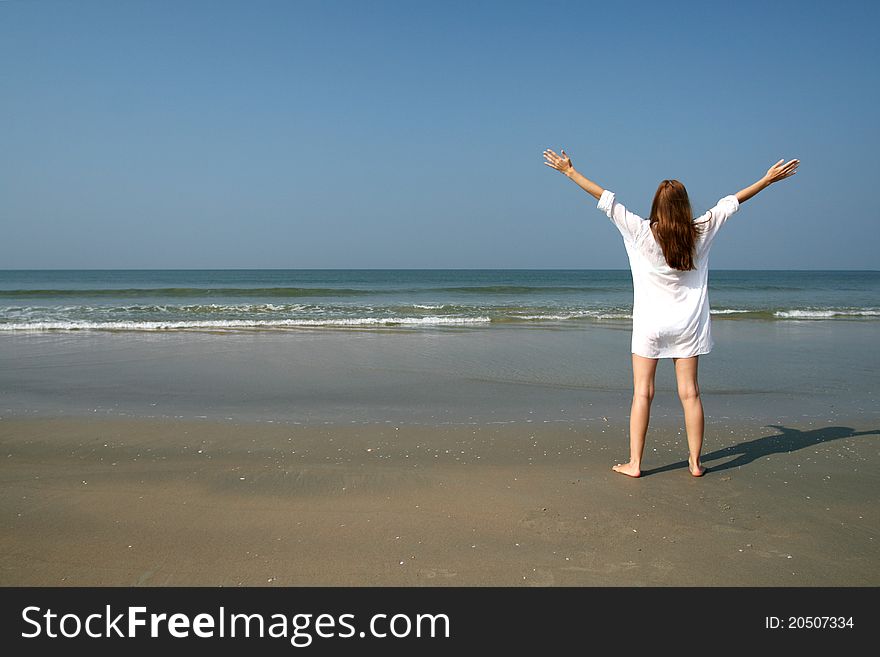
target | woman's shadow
[{"x": 787, "y": 440}]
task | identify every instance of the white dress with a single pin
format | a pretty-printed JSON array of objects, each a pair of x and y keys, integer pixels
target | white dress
[{"x": 670, "y": 307}]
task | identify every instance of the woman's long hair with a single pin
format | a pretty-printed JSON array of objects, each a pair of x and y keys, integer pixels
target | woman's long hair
[{"x": 676, "y": 230}]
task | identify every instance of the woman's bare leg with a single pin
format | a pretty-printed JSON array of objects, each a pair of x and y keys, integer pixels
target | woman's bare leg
[
  {"x": 640, "y": 413},
  {"x": 689, "y": 394}
]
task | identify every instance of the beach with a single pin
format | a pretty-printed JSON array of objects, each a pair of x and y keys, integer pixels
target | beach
[
  {"x": 170, "y": 503},
  {"x": 455, "y": 456}
]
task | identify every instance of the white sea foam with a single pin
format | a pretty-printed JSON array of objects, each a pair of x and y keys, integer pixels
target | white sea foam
[
  {"x": 824, "y": 314},
  {"x": 575, "y": 314},
  {"x": 164, "y": 308},
  {"x": 240, "y": 324},
  {"x": 614, "y": 316},
  {"x": 729, "y": 311}
]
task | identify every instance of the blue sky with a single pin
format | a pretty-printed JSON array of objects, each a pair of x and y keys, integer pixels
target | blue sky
[{"x": 214, "y": 134}]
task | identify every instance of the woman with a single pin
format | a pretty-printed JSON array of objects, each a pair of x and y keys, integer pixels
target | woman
[{"x": 669, "y": 259}]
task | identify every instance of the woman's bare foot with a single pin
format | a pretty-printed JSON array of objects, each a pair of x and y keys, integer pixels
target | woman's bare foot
[
  {"x": 627, "y": 469},
  {"x": 697, "y": 471}
]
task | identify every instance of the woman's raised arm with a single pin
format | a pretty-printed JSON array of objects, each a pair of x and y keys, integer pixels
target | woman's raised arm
[
  {"x": 777, "y": 172},
  {"x": 563, "y": 163}
]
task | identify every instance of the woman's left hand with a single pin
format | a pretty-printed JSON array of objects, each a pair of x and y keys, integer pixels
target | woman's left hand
[{"x": 559, "y": 162}]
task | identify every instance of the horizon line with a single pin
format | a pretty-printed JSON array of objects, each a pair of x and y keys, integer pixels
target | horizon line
[{"x": 23, "y": 269}]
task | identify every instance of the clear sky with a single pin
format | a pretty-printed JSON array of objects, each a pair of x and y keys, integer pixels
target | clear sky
[{"x": 288, "y": 134}]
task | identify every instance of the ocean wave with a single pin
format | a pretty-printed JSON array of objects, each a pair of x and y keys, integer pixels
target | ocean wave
[
  {"x": 240, "y": 324},
  {"x": 149, "y": 317},
  {"x": 183, "y": 292},
  {"x": 165, "y": 308},
  {"x": 516, "y": 289},
  {"x": 573, "y": 314},
  {"x": 816, "y": 313},
  {"x": 614, "y": 316},
  {"x": 550, "y": 317},
  {"x": 178, "y": 292},
  {"x": 722, "y": 285}
]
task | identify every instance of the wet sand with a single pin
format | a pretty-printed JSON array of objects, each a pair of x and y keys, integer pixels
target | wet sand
[{"x": 185, "y": 502}]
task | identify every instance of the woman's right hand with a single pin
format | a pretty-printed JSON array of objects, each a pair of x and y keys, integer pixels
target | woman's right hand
[{"x": 780, "y": 171}]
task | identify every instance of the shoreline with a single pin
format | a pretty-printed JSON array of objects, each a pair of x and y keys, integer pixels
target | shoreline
[
  {"x": 193, "y": 502},
  {"x": 757, "y": 373}
]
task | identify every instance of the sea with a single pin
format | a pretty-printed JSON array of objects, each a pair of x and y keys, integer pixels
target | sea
[
  {"x": 792, "y": 348},
  {"x": 276, "y": 299}
]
